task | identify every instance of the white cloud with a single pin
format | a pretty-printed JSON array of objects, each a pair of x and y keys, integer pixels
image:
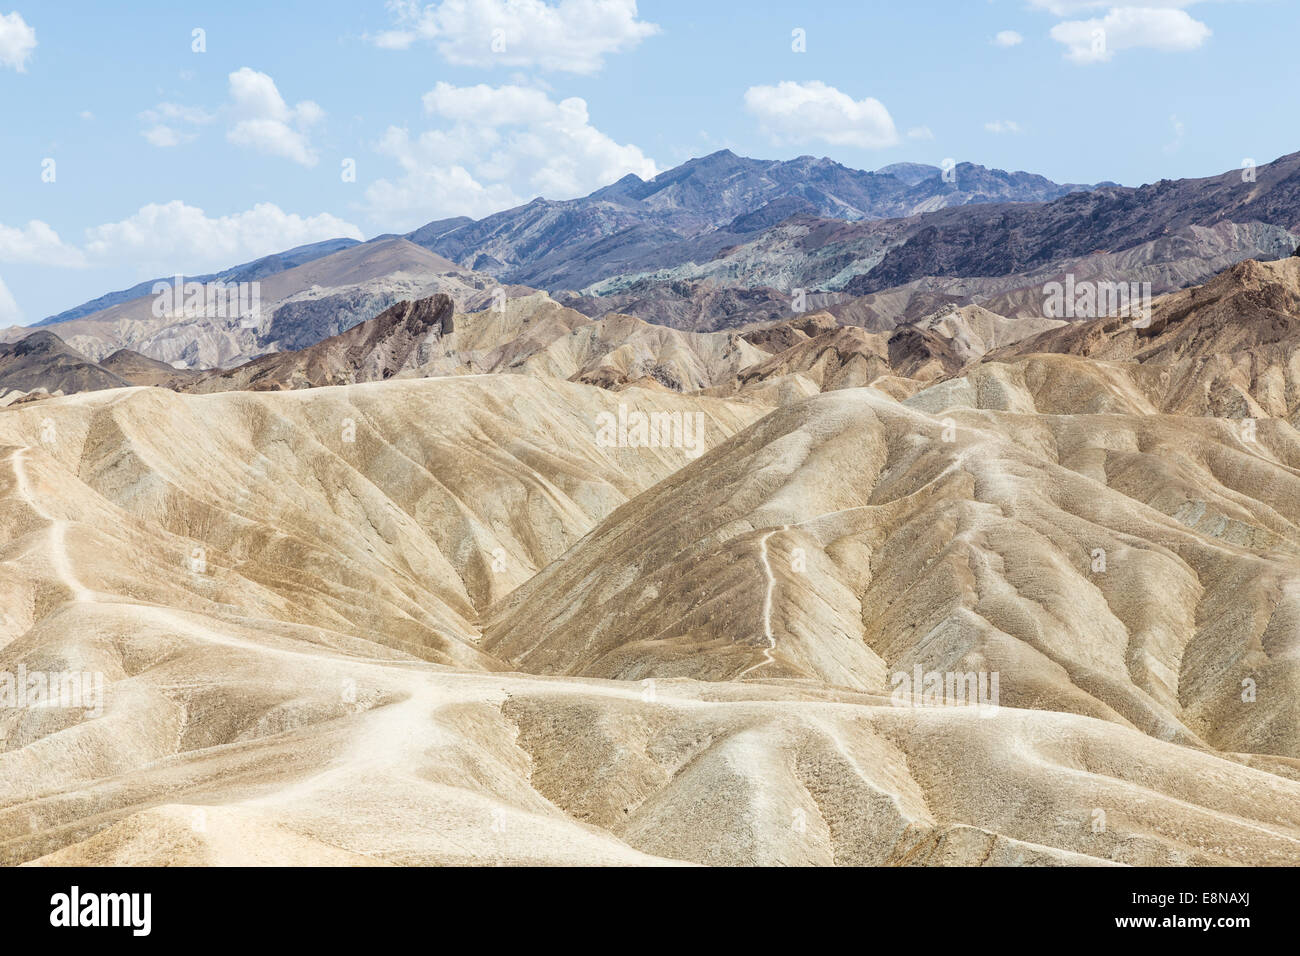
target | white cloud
[
  {"x": 163, "y": 237},
  {"x": 1008, "y": 38},
  {"x": 164, "y": 136},
  {"x": 170, "y": 237},
  {"x": 263, "y": 121},
  {"x": 496, "y": 147},
  {"x": 394, "y": 40},
  {"x": 1155, "y": 25},
  {"x": 17, "y": 41},
  {"x": 920, "y": 132},
  {"x": 37, "y": 244},
  {"x": 802, "y": 112},
  {"x": 171, "y": 124},
  {"x": 257, "y": 115},
  {"x": 573, "y": 36},
  {"x": 1002, "y": 126},
  {"x": 427, "y": 190},
  {"x": 10, "y": 314}
]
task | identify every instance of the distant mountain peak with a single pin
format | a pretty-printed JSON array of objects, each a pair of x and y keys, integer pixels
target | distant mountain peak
[{"x": 696, "y": 209}]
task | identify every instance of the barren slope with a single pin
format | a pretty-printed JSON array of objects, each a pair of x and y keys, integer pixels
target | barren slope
[
  {"x": 299, "y": 307},
  {"x": 843, "y": 539},
  {"x": 707, "y": 644},
  {"x": 1226, "y": 349}
]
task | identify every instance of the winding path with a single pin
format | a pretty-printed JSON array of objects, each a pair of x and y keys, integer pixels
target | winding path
[
  {"x": 771, "y": 583},
  {"x": 393, "y": 735},
  {"x": 58, "y": 531},
  {"x": 767, "y": 604}
]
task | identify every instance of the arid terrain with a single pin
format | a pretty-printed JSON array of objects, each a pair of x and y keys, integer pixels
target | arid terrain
[{"x": 469, "y": 584}]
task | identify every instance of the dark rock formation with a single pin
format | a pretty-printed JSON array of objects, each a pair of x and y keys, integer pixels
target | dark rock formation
[{"x": 375, "y": 350}]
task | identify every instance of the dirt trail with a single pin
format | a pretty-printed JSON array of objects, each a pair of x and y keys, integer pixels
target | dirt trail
[
  {"x": 58, "y": 531},
  {"x": 767, "y": 604}
]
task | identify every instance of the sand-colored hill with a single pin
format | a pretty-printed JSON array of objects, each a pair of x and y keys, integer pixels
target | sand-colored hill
[
  {"x": 531, "y": 335},
  {"x": 898, "y": 362},
  {"x": 975, "y": 330},
  {"x": 1225, "y": 349},
  {"x": 320, "y": 690},
  {"x": 595, "y": 612},
  {"x": 769, "y": 363},
  {"x": 880, "y": 545}
]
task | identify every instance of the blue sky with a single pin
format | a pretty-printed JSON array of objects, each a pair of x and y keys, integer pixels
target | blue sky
[{"x": 166, "y": 159}]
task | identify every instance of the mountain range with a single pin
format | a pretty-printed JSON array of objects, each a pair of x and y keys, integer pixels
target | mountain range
[
  {"x": 692, "y": 212},
  {"x": 723, "y": 241},
  {"x": 245, "y": 272}
]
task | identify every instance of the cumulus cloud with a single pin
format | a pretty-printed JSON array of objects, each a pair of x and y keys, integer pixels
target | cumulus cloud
[
  {"x": 496, "y": 147},
  {"x": 37, "y": 244},
  {"x": 1126, "y": 28},
  {"x": 572, "y": 35},
  {"x": 1002, "y": 126},
  {"x": 263, "y": 121},
  {"x": 257, "y": 118},
  {"x": 792, "y": 113},
  {"x": 169, "y": 237},
  {"x": 161, "y": 237},
  {"x": 1162, "y": 25},
  {"x": 170, "y": 124},
  {"x": 920, "y": 132},
  {"x": 1008, "y": 38},
  {"x": 17, "y": 41}
]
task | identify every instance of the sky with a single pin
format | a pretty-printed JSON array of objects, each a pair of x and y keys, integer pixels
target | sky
[{"x": 154, "y": 138}]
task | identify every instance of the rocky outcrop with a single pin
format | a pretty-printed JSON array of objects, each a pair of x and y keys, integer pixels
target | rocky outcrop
[
  {"x": 398, "y": 339},
  {"x": 44, "y": 361},
  {"x": 139, "y": 369},
  {"x": 1225, "y": 349}
]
